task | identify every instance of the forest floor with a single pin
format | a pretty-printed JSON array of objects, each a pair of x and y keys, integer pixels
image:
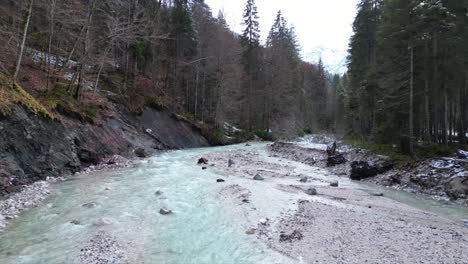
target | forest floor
[{"x": 343, "y": 224}]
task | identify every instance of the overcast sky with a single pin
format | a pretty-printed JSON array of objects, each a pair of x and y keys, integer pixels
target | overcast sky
[{"x": 323, "y": 26}]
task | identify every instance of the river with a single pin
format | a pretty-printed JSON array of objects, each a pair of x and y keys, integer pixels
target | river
[{"x": 123, "y": 203}]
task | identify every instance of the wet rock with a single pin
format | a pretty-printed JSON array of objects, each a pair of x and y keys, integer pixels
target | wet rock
[
  {"x": 465, "y": 221},
  {"x": 230, "y": 163},
  {"x": 304, "y": 179},
  {"x": 220, "y": 180},
  {"x": 377, "y": 194},
  {"x": 75, "y": 222},
  {"x": 258, "y": 178},
  {"x": 311, "y": 191},
  {"x": 250, "y": 231},
  {"x": 294, "y": 236},
  {"x": 334, "y": 184},
  {"x": 202, "y": 161},
  {"x": 165, "y": 211},
  {"x": 204, "y": 168},
  {"x": 362, "y": 170},
  {"x": 158, "y": 193},
  {"x": 141, "y": 153},
  {"x": 335, "y": 160},
  {"x": 89, "y": 205}
]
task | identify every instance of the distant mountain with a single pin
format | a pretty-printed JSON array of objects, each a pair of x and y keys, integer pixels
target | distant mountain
[{"x": 334, "y": 60}]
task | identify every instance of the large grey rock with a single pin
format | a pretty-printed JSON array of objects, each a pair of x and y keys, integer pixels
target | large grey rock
[
  {"x": 258, "y": 177},
  {"x": 165, "y": 211}
]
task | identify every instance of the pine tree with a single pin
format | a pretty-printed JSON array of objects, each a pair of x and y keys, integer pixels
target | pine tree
[{"x": 250, "y": 41}]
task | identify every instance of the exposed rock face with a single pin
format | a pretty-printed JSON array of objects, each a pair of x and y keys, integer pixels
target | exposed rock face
[
  {"x": 34, "y": 148},
  {"x": 362, "y": 170}
]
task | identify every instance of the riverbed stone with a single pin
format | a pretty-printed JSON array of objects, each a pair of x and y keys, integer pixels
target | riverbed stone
[
  {"x": 89, "y": 205},
  {"x": 311, "y": 191},
  {"x": 202, "y": 161},
  {"x": 220, "y": 180},
  {"x": 334, "y": 184},
  {"x": 304, "y": 179},
  {"x": 377, "y": 194},
  {"x": 165, "y": 211},
  {"x": 258, "y": 178}
]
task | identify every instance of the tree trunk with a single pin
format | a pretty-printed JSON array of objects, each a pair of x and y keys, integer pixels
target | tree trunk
[
  {"x": 445, "y": 119},
  {"x": 23, "y": 41},
  {"x": 411, "y": 95}
]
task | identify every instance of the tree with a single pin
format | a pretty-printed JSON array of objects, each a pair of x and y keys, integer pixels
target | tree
[
  {"x": 23, "y": 41},
  {"x": 250, "y": 41}
]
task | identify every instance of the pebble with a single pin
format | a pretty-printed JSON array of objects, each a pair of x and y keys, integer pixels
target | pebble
[{"x": 251, "y": 231}]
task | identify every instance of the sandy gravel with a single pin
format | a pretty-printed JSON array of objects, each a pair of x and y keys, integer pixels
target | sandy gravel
[{"x": 339, "y": 225}]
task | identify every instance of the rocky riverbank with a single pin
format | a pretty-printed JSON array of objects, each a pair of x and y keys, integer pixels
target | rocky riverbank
[
  {"x": 335, "y": 223},
  {"x": 33, "y": 147},
  {"x": 31, "y": 196},
  {"x": 444, "y": 178}
]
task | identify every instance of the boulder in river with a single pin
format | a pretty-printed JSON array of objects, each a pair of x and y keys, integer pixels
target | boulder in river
[
  {"x": 378, "y": 194},
  {"x": 158, "y": 193},
  {"x": 258, "y": 177},
  {"x": 89, "y": 205},
  {"x": 311, "y": 191},
  {"x": 304, "y": 179},
  {"x": 230, "y": 163},
  {"x": 220, "y": 180},
  {"x": 165, "y": 211},
  {"x": 202, "y": 161}
]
